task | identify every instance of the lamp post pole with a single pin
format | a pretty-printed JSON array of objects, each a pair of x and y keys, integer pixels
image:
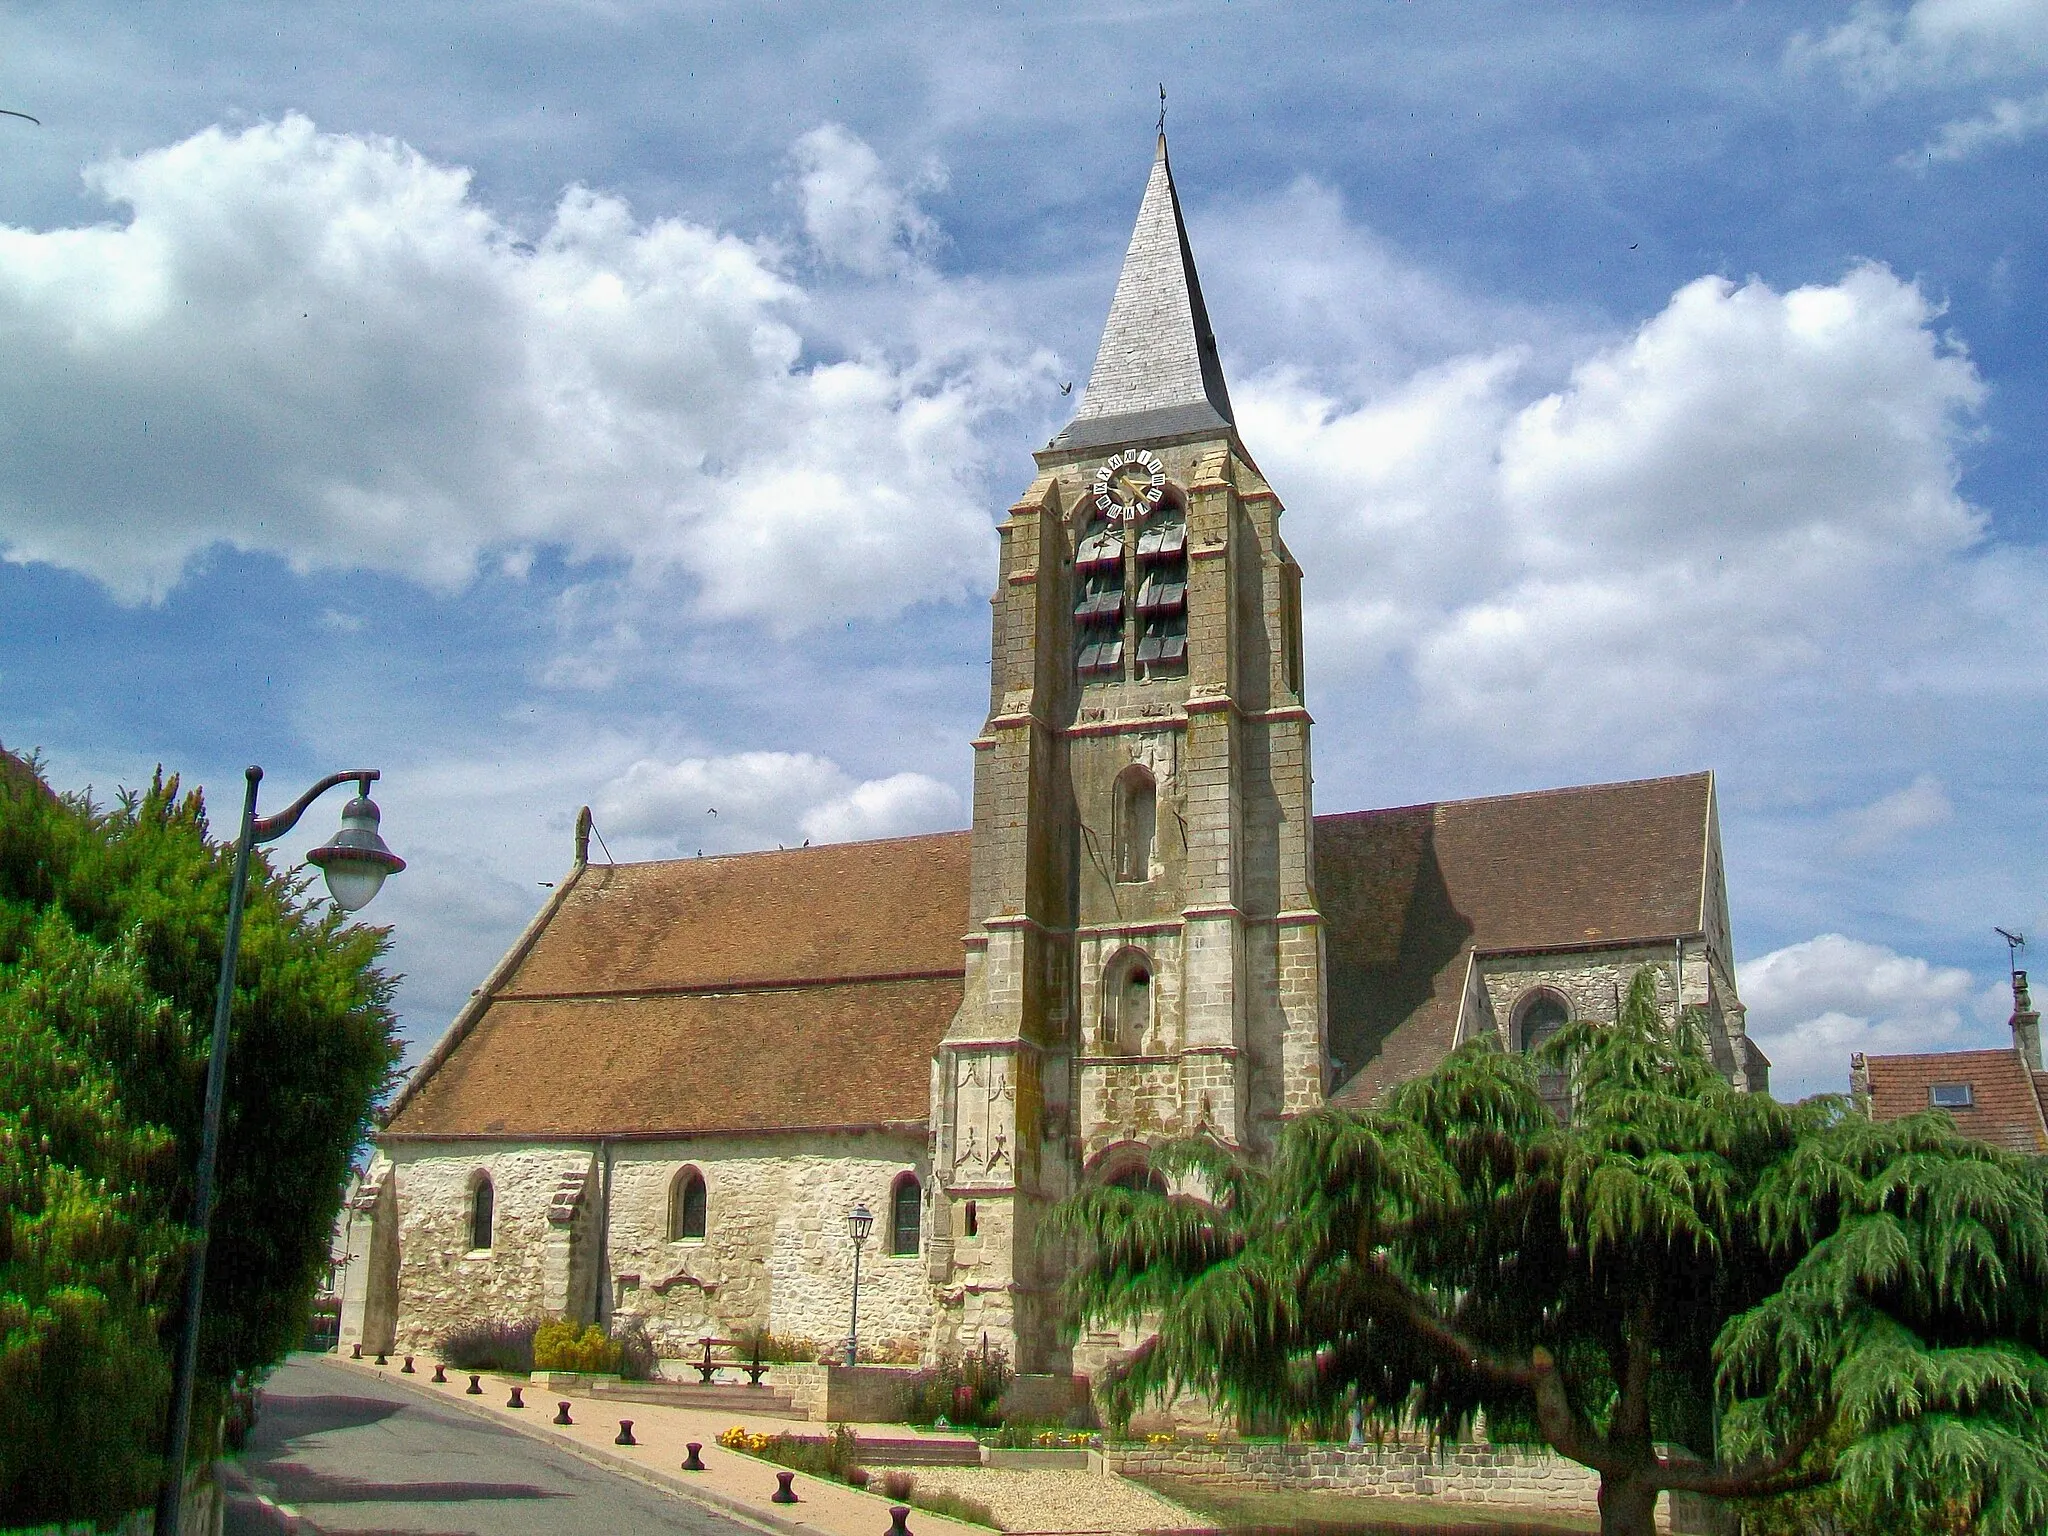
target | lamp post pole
[
  {"x": 858, "y": 1224},
  {"x": 356, "y": 862}
]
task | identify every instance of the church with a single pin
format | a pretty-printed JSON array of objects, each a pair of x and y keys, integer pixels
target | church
[{"x": 668, "y": 1096}]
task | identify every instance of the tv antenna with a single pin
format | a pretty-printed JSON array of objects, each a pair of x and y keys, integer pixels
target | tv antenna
[{"x": 2014, "y": 943}]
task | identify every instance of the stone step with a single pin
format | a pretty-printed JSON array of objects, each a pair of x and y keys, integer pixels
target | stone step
[{"x": 920, "y": 1451}]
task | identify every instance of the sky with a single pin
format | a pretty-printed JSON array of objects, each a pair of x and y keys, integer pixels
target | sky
[{"x": 573, "y": 403}]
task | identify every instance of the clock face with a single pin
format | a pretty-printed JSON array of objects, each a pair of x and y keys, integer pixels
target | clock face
[{"x": 1129, "y": 486}]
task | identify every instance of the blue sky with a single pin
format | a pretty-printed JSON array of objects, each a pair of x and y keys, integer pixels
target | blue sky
[{"x": 566, "y": 403}]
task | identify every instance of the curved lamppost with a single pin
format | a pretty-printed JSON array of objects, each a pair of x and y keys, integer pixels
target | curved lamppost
[
  {"x": 355, "y": 862},
  {"x": 859, "y": 1222}
]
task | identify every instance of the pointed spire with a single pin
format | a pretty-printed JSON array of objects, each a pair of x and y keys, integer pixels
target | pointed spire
[{"x": 1156, "y": 372}]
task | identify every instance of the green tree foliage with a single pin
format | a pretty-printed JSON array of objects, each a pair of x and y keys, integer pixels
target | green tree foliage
[
  {"x": 111, "y": 924},
  {"x": 1859, "y": 1306}
]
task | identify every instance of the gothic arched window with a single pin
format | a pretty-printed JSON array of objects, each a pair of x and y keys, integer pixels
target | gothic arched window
[
  {"x": 482, "y": 1212},
  {"x": 1140, "y": 1181},
  {"x": 1133, "y": 820},
  {"x": 686, "y": 1207},
  {"x": 1542, "y": 1016},
  {"x": 1127, "y": 1004},
  {"x": 906, "y": 1215}
]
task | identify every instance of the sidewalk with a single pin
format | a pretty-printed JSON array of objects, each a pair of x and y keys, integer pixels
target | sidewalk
[{"x": 1069, "y": 1503}]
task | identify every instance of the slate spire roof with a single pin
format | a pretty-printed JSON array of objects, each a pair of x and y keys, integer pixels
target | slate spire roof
[{"x": 1156, "y": 371}]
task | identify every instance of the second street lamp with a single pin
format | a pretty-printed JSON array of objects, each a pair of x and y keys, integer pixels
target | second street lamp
[
  {"x": 355, "y": 863},
  {"x": 859, "y": 1222}
]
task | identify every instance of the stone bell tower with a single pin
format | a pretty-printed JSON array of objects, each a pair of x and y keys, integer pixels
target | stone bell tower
[{"x": 1145, "y": 960}]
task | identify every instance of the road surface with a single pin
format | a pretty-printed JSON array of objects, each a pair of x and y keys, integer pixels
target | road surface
[{"x": 356, "y": 1456}]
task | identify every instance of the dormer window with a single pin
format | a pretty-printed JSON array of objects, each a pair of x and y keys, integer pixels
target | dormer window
[{"x": 1950, "y": 1096}]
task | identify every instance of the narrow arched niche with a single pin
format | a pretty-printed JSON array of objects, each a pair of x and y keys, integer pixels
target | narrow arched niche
[
  {"x": 1127, "y": 1003},
  {"x": 1134, "y": 821}
]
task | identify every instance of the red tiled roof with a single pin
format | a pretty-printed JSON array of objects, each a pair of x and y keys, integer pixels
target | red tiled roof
[
  {"x": 1409, "y": 894},
  {"x": 801, "y": 988},
  {"x": 2006, "y": 1098}
]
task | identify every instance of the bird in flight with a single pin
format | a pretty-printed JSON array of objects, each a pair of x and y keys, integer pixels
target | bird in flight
[{"x": 1067, "y": 388}]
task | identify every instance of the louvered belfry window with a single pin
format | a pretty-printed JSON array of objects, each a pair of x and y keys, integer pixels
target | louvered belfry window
[{"x": 1131, "y": 598}]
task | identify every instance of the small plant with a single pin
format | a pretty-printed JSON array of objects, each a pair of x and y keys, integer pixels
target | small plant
[
  {"x": 490, "y": 1345},
  {"x": 638, "y": 1358},
  {"x": 765, "y": 1348},
  {"x": 953, "y": 1506},
  {"x": 962, "y": 1389},
  {"x": 563, "y": 1346},
  {"x": 857, "y": 1477},
  {"x": 899, "y": 1484}
]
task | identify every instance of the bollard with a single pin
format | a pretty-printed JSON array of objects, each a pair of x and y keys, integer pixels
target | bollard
[
  {"x": 473, "y": 1390},
  {"x": 440, "y": 1374},
  {"x": 899, "y": 1515},
  {"x": 355, "y": 1352},
  {"x": 517, "y": 1401},
  {"x": 625, "y": 1433},
  {"x": 380, "y": 1358},
  {"x": 562, "y": 1414},
  {"x": 693, "y": 1462},
  {"x": 406, "y": 1369},
  {"x": 783, "y": 1494}
]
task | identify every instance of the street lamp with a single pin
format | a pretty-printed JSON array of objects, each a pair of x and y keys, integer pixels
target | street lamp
[
  {"x": 859, "y": 1222},
  {"x": 355, "y": 863}
]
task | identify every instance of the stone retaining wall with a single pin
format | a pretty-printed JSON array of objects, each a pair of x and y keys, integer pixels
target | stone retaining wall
[{"x": 1495, "y": 1477}]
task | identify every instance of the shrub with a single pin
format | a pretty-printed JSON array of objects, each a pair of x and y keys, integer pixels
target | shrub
[
  {"x": 963, "y": 1390},
  {"x": 490, "y": 1346},
  {"x": 899, "y": 1484},
  {"x": 564, "y": 1346},
  {"x": 953, "y": 1506},
  {"x": 774, "y": 1348},
  {"x": 638, "y": 1358}
]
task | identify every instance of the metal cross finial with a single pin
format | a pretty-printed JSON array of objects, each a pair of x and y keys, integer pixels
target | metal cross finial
[{"x": 1162, "y": 109}]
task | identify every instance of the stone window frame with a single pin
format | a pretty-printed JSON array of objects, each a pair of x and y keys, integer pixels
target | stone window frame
[
  {"x": 483, "y": 1211},
  {"x": 1119, "y": 1034},
  {"x": 687, "y": 1178},
  {"x": 906, "y": 1181}
]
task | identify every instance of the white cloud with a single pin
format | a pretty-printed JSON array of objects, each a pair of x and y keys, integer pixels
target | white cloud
[
  {"x": 1892, "y": 818},
  {"x": 323, "y": 346},
  {"x": 1937, "y": 45},
  {"x": 1813, "y": 1003},
  {"x": 1745, "y": 488},
  {"x": 853, "y": 214},
  {"x": 1880, "y": 50},
  {"x": 2004, "y": 121},
  {"x": 752, "y": 799}
]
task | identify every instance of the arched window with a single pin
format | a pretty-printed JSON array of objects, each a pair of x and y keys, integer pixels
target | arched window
[
  {"x": 906, "y": 1215},
  {"x": 482, "y": 1210},
  {"x": 686, "y": 1207},
  {"x": 1542, "y": 1016},
  {"x": 1127, "y": 1003},
  {"x": 1134, "y": 818}
]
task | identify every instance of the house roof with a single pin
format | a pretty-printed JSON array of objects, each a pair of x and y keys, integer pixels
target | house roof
[
  {"x": 2007, "y": 1099},
  {"x": 809, "y": 988},
  {"x": 1157, "y": 372},
  {"x": 804, "y": 988},
  {"x": 1410, "y": 895}
]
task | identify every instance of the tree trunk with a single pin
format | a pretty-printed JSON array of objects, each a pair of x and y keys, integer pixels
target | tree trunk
[{"x": 1628, "y": 1506}]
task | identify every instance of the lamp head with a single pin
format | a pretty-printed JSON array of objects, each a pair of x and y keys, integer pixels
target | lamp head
[
  {"x": 859, "y": 1222},
  {"x": 356, "y": 860}
]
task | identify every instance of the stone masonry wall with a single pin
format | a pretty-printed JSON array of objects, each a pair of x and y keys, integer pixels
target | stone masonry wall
[
  {"x": 1487, "y": 1476},
  {"x": 775, "y": 1249}
]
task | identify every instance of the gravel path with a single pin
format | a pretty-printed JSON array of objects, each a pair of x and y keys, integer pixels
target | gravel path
[{"x": 1068, "y": 1502}]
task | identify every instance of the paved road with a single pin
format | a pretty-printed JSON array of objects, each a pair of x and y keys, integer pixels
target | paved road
[{"x": 364, "y": 1457}]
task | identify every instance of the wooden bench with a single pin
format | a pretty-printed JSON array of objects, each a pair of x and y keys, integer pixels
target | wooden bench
[{"x": 735, "y": 1356}]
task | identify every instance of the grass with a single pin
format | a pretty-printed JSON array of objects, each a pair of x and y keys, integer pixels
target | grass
[{"x": 1293, "y": 1512}]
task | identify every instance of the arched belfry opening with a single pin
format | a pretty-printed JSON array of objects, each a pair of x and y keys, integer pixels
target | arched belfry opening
[{"x": 1134, "y": 822}]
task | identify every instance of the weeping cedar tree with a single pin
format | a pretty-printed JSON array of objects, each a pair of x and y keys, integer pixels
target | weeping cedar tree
[
  {"x": 1685, "y": 1288},
  {"x": 111, "y": 925}
]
